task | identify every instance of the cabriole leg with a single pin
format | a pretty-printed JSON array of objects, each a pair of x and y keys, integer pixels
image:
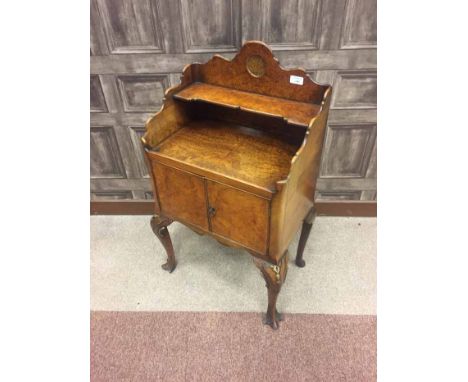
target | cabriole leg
[
  {"x": 274, "y": 276},
  {"x": 306, "y": 227},
  {"x": 159, "y": 226}
]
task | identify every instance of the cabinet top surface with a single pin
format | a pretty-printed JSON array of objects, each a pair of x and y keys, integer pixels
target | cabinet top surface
[{"x": 237, "y": 152}]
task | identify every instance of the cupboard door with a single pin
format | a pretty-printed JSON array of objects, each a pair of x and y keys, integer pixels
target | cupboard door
[
  {"x": 238, "y": 215},
  {"x": 181, "y": 195}
]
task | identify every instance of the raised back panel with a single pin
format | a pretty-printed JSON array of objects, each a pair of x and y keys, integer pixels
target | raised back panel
[{"x": 255, "y": 69}]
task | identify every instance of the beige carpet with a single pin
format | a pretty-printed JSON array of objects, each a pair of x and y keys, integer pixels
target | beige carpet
[{"x": 126, "y": 275}]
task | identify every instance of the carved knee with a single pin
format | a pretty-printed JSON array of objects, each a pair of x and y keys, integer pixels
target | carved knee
[
  {"x": 159, "y": 226},
  {"x": 274, "y": 276}
]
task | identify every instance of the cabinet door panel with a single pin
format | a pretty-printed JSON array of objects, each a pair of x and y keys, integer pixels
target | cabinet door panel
[
  {"x": 239, "y": 216},
  {"x": 181, "y": 195}
]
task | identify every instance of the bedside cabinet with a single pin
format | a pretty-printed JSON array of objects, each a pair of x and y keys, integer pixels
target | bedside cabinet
[{"x": 234, "y": 152}]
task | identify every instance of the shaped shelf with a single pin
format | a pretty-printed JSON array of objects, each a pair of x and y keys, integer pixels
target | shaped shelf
[{"x": 299, "y": 113}]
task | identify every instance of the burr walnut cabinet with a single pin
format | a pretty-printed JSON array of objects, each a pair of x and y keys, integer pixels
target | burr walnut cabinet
[{"x": 234, "y": 152}]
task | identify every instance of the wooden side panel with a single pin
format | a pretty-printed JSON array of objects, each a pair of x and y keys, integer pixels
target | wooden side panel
[
  {"x": 181, "y": 195},
  {"x": 239, "y": 216},
  {"x": 171, "y": 117},
  {"x": 296, "y": 194}
]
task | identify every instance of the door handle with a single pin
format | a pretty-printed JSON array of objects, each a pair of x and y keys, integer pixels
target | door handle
[{"x": 211, "y": 211}]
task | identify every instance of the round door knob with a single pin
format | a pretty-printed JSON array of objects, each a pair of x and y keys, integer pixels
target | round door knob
[{"x": 212, "y": 211}]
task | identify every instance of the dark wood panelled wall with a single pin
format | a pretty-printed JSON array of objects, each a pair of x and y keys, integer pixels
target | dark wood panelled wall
[{"x": 139, "y": 48}]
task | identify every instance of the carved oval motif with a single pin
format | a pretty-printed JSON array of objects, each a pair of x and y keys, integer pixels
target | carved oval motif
[{"x": 256, "y": 66}]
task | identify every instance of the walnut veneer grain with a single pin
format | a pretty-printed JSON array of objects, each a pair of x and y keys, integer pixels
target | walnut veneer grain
[
  {"x": 235, "y": 152},
  {"x": 239, "y": 215}
]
